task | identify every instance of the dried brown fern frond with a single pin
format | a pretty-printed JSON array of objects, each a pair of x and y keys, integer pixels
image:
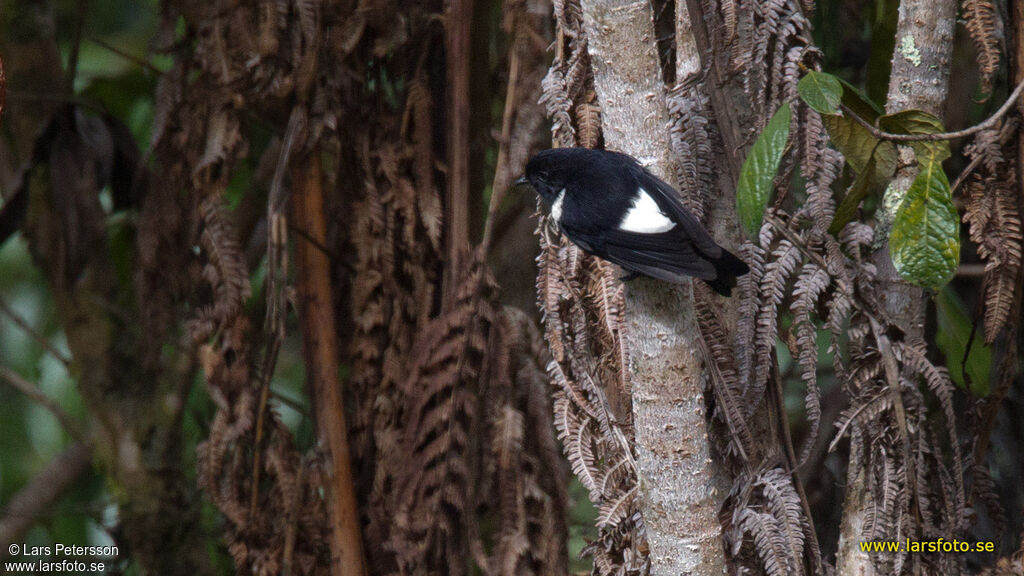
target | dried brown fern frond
[
  {"x": 994, "y": 219},
  {"x": 820, "y": 166},
  {"x": 588, "y": 122},
  {"x": 772, "y": 291},
  {"x": 528, "y": 495},
  {"x": 282, "y": 521},
  {"x": 995, "y": 226},
  {"x": 555, "y": 99},
  {"x": 442, "y": 410},
  {"x": 582, "y": 303},
  {"x": 225, "y": 270},
  {"x": 730, "y": 406},
  {"x": 810, "y": 285},
  {"x": 693, "y": 143},
  {"x": 782, "y": 501},
  {"x": 982, "y": 20}
]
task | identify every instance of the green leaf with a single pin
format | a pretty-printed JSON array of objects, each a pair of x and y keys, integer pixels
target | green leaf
[
  {"x": 953, "y": 336},
  {"x": 821, "y": 91},
  {"x": 858, "y": 145},
  {"x": 858, "y": 191},
  {"x": 925, "y": 240},
  {"x": 857, "y": 101},
  {"x": 759, "y": 168},
  {"x": 874, "y": 162},
  {"x": 917, "y": 122}
]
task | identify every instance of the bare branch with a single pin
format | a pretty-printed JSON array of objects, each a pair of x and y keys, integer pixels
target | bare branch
[
  {"x": 313, "y": 281},
  {"x": 36, "y": 395},
  {"x": 39, "y": 338},
  {"x": 984, "y": 125},
  {"x": 30, "y": 502}
]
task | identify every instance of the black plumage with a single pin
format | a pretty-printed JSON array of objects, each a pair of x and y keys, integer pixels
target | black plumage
[{"x": 611, "y": 206}]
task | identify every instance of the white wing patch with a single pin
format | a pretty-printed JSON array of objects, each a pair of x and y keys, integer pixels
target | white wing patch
[
  {"x": 645, "y": 217},
  {"x": 556, "y": 206}
]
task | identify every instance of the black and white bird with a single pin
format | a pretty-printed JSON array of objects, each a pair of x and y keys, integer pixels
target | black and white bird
[{"x": 610, "y": 206}]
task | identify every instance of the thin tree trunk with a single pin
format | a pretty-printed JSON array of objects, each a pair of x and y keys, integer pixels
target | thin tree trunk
[
  {"x": 679, "y": 499},
  {"x": 320, "y": 346},
  {"x": 920, "y": 75},
  {"x": 459, "y": 18}
]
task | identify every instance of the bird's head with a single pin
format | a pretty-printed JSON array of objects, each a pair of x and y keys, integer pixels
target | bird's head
[{"x": 547, "y": 172}]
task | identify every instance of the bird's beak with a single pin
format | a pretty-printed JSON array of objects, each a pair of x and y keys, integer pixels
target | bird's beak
[{"x": 521, "y": 182}]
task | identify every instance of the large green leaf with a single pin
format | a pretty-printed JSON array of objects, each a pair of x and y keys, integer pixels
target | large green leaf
[
  {"x": 858, "y": 146},
  {"x": 917, "y": 122},
  {"x": 759, "y": 169},
  {"x": 953, "y": 336},
  {"x": 925, "y": 240},
  {"x": 821, "y": 91},
  {"x": 873, "y": 160}
]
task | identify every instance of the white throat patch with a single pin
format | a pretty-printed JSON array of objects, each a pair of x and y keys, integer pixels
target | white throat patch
[
  {"x": 645, "y": 217},
  {"x": 556, "y": 206}
]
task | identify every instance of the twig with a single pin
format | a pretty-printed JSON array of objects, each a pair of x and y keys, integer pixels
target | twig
[
  {"x": 814, "y": 550},
  {"x": 290, "y": 402},
  {"x": 892, "y": 378},
  {"x": 28, "y": 504},
  {"x": 970, "y": 270},
  {"x": 277, "y": 271},
  {"x": 975, "y": 162},
  {"x": 3, "y": 88},
  {"x": 141, "y": 62},
  {"x": 35, "y": 394},
  {"x": 1006, "y": 132},
  {"x": 331, "y": 255},
  {"x": 27, "y": 328},
  {"x": 987, "y": 123},
  {"x": 76, "y": 45},
  {"x": 500, "y": 182}
]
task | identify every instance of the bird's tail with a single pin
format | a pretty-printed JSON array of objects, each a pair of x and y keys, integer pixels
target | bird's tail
[{"x": 728, "y": 266}]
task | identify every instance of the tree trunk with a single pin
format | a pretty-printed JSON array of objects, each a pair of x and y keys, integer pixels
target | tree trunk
[
  {"x": 679, "y": 496},
  {"x": 319, "y": 340},
  {"x": 920, "y": 75}
]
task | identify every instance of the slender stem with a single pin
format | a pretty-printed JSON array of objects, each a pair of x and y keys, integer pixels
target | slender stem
[
  {"x": 76, "y": 45},
  {"x": 987, "y": 123},
  {"x": 141, "y": 62},
  {"x": 319, "y": 343},
  {"x": 3, "y": 88},
  {"x": 36, "y": 395},
  {"x": 39, "y": 338},
  {"x": 814, "y": 551},
  {"x": 500, "y": 182},
  {"x": 459, "y": 18}
]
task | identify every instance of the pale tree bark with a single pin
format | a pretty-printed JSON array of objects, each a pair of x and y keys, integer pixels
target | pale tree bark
[
  {"x": 921, "y": 65},
  {"x": 680, "y": 491}
]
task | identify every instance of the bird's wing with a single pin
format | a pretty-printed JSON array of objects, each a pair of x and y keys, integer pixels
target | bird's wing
[
  {"x": 665, "y": 255},
  {"x": 668, "y": 200}
]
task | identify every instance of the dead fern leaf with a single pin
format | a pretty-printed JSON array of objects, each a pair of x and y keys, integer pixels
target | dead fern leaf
[
  {"x": 984, "y": 24},
  {"x": 588, "y": 121}
]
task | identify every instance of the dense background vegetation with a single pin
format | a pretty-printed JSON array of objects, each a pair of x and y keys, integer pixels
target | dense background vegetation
[{"x": 377, "y": 116}]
